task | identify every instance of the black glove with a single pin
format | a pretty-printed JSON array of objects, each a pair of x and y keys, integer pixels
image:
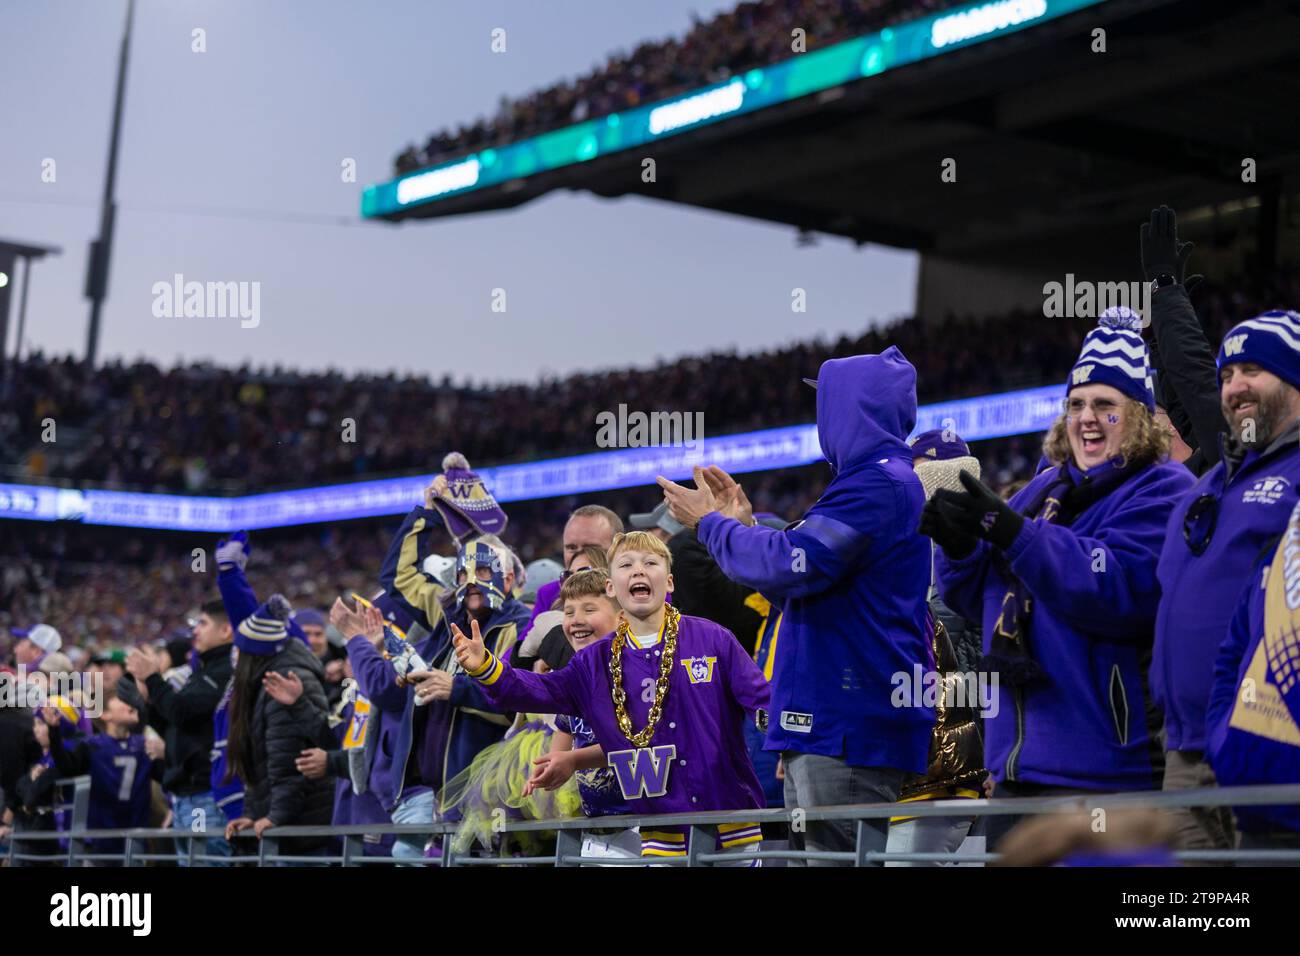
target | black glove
[
  {"x": 129, "y": 694},
  {"x": 979, "y": 512},
  {"x": 1162, "y": 253},
  {"x": 955, "y": 543}
]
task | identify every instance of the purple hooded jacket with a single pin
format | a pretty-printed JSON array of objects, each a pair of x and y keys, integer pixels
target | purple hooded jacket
[{"x": 850, "y": 577}]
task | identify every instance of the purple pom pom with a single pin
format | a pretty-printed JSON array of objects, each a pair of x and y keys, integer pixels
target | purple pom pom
[{"x": 277, "y": 605}]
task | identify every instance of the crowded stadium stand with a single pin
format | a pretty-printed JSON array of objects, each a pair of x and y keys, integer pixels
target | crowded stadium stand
[
  {"x": 1023, "y": 101},
  {"x": 1058, "y": 147}
]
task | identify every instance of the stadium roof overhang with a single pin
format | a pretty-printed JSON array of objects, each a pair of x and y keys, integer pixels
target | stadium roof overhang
[{"x": 853, "y": 144}]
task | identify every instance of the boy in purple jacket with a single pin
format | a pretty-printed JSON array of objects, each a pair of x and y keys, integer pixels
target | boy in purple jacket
[{"x": 665, "y": 696}]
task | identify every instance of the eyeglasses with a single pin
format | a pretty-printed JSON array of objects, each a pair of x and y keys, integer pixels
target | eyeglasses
[
  {"x": 1199, "y": 521},
  {"x": 1099, "y": 406}
]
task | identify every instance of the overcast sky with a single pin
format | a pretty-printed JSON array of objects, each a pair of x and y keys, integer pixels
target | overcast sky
[{"x": 230, "y": 171}]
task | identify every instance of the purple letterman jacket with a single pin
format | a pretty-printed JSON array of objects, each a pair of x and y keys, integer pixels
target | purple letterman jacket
[{"x": 697, "y": 759}]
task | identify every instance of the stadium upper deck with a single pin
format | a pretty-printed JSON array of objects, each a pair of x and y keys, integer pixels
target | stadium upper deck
[{"x": 1084, "y": 130}]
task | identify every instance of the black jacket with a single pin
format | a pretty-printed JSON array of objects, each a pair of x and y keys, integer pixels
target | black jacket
[
  {"x": 965, "y": 638},
  {"x": 184, "y": 718},
  {"x": 280, "y": 734},
  {"x": 1187, "y": 380},
  {"x": 702, "y": 590},
  {"x": 18, "y": 750}
]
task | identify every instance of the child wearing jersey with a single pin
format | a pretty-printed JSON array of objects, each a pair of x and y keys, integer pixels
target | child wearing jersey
[
  {"x": 588, "y": 615},
  {"x": 120, "y": 771},
  {"x": 665, "y": 697}
]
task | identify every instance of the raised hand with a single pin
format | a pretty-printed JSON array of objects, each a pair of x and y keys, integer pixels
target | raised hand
[
  {"x": 348, "y": 622},
  {"x": 233, "y": 552},
  {"x": 470, "y": 651},
  {"x": 689, "y": 505},
  {"x": 141, "y": 664},
  {"x": 284, "y": 689},
  {"x": 729, "y": 496},
  {"x": 1162, "y": 253},
  {"x": 437, "y": 488},
  {"x": 373, "y": 625}
]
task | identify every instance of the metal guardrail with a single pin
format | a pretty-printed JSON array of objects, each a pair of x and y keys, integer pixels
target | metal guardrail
[{"x": 569, "y": 833}]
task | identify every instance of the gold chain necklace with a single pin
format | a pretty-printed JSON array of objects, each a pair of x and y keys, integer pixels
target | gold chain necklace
[{"x": 672, "y": 617}]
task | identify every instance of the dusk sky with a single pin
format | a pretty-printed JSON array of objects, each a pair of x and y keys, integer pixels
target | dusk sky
[{"x": 230, "y": 171}]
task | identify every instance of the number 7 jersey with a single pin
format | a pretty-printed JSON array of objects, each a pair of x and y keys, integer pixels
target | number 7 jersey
[{"x": 119, "y": 781}]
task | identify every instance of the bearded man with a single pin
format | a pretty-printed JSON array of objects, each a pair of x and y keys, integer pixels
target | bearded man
[{"x": 1214, "y": 538}]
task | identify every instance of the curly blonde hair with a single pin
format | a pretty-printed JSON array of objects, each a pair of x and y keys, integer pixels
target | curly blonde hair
[{"x": 1144, "y": 440}]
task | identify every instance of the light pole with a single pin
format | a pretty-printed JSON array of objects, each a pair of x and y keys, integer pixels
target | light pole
[
  {"x": 102, "y": 247},
  {"x": 10, "y": 253}
]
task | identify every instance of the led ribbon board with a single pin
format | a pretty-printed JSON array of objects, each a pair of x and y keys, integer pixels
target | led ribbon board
[
  {"x": 781, "y": 82},
  {"x": 990, "y": 416}
]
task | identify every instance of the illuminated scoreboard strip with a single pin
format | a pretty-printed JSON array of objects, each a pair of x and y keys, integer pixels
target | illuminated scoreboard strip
[
  {"x": 990, "y": 416},
  {"x": 790, "y": 79}
]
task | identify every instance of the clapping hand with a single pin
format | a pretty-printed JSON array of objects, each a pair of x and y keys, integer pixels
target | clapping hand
[
  {"x": 689, "y": 505},
  {"x": 729, "y": 496},
  {"x": 284, "y": 689},
  {"x": 141, "y": 664},
  {"x": 367, "y": 621}
]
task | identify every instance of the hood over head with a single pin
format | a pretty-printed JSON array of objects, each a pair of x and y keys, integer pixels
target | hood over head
[{"x": 865, "y": 404}]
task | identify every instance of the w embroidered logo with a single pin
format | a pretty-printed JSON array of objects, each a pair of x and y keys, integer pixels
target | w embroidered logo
[
  {"x": 700, "y": 669},
  {"x": 467, "y": 491},
  {"x": 1081, "y": 374},
  {"x": 1233, "y": 344},
  {"x": 643, "y": 772}
]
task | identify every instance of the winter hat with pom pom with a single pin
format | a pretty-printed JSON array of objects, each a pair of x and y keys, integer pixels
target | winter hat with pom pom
[
  {"x": 1114, "y": 354},
  {"x": 263, "y": 632},
  {"x": 467, "y": 507}
]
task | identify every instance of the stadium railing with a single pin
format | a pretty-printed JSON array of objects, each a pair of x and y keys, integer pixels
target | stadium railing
[{"x": 569, "y": 833}]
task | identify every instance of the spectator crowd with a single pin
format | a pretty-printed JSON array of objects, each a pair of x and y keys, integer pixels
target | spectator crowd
[
  {"x": 1118, "y": 619},
  {"x": 201, "y": 429}
]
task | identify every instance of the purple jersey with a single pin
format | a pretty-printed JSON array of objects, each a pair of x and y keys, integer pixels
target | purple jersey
[
  {"x": 119, "y": 782},
  {"x": 697, "y": 759}
]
